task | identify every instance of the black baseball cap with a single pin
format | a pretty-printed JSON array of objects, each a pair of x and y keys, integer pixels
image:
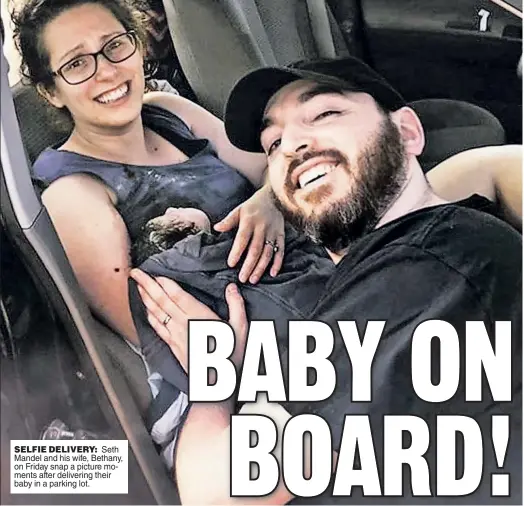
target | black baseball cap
[{"x": 250, "y": 95}]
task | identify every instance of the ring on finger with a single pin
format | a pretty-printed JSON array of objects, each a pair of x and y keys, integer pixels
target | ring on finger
[
  {"x": 166, "y": 320},
  {"x": 274, "y": 245}
]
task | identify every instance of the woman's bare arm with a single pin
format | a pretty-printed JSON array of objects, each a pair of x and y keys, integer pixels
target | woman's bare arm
[
  {"x": 494, "y": 172},
  {"x": 207, "y": 126},
  {"x": 96, "y": 242},
  {"x": 507, "y": 176}
]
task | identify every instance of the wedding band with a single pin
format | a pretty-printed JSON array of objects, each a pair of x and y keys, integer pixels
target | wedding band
[
  {"x": 273, "y": 245},
  {"x": 166, "y": 320}
]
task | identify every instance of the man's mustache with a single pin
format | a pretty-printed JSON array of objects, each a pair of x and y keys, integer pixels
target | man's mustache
[{"x": 333, "y": 154}]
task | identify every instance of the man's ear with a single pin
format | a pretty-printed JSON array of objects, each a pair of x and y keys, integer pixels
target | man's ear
[
  {"x": 411, "y": 130},
  {"x": 50, "y": 95}
]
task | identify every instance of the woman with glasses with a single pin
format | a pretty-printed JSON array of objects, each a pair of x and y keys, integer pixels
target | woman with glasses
[{"x": 127, "y": 161}]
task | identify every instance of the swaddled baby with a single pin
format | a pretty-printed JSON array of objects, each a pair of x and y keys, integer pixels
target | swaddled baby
[{"x": 180, "y": 245}]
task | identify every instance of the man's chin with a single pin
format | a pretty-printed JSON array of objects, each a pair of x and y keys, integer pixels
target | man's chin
[
  {"x": 332, "y": 223},
  {"x": 317, "y": 212}
]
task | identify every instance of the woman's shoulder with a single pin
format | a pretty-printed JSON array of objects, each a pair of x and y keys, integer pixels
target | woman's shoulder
[
  {"x": 192, "y": 115},
  {"x": 166, "y": 104},
  {"x": 54, "y": 164},
  {"x": 58, "y": 172},
  {"x": 51, "y": 161},
  {"x": 163, "y": 120}
]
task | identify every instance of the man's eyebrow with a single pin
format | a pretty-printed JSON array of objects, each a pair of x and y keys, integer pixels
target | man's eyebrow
[
  {"x": 265, "y": 123},
  {"x": 103, "y": 40},
  {"x": 320, "y": 89}
]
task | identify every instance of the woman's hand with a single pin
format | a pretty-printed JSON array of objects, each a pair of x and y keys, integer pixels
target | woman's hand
[
  {"x": 169, "y": 309},
  {"x": 261, "y": 227}
]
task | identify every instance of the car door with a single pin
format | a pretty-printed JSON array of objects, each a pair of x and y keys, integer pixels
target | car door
[
  {"x": 56, "y": 359},
  {"x": 467, "y": 50}
]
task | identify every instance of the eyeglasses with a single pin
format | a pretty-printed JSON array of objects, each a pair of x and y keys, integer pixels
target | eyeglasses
[{"x": 84, "y": 67}]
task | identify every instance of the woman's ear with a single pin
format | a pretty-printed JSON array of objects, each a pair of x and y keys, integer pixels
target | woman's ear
[
  {"x": 411, "y": 130},
  {"x": 50, "y": 95}
]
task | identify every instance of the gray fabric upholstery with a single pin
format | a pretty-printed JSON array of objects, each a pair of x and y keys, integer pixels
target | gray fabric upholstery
[
  {"x": 288, "y": 29},
  {"x": 40, "y": 124},
  {"x": 212, "y": 68},
  {"x": 130, "y": 365},
  {"x": 452, "y": 126},
  {"x": 321, "y": 27},
  {"x": 212, "y": 54}
]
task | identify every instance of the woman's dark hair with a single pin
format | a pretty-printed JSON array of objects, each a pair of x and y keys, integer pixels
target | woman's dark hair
[{"x": 30, "y": 20}]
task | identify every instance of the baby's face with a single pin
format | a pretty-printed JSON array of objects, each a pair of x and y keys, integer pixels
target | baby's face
[{"x": 187, "y": 216}]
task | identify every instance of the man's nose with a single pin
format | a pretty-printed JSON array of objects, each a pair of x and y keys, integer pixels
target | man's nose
[{"x": 294, "y": 140}]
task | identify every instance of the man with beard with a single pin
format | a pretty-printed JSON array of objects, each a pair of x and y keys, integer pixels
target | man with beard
[{"x": 342, "y": 151}]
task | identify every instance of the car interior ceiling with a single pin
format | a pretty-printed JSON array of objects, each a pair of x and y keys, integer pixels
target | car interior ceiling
[
  {"x": 252, "y": 33},
  {"x": 257, "y": 33},
  {"x": 268, "y": 32}
]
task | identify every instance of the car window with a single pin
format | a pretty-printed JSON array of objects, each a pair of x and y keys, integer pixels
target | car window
[{"x": 11, "y": 54}]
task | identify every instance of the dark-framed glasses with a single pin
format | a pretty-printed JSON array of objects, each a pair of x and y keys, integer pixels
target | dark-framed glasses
[{"x": 84, "y": 66}]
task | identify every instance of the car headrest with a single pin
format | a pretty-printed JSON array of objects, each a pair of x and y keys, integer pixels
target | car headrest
[
  {"x": 41, "y": 125},
  {"x": 453, "y": 126}
]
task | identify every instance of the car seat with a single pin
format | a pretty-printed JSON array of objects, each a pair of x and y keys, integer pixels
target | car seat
[
  {"x": 218, "y": 41},
  {"x": 41, "y": 126}
]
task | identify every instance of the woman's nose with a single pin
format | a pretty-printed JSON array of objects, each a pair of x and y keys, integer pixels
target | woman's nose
[{"x": 105, "y": 67}]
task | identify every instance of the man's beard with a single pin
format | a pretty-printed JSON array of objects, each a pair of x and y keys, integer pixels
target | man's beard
[{"x": 377, "y": 179}]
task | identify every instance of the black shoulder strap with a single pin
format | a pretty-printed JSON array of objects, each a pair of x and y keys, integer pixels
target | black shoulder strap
[{"x": 172, "y": 128}]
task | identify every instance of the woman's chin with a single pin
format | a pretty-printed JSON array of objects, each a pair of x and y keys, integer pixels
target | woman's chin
[{"x": 121, "y": 117}]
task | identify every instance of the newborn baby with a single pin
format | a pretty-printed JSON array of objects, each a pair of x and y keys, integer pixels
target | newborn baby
[
  {"x": 180, "y": 245},
  {"x": 162, "y": 232}
]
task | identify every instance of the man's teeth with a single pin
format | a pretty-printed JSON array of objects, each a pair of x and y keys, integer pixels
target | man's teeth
[
  {"x": 114, "y": 95},
  {"x": 314, "y": 173}
]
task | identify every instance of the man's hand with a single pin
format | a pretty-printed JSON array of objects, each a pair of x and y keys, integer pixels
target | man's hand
[
  {"x": 261, "y": 227},
  {"x": 169, "y": 309}
]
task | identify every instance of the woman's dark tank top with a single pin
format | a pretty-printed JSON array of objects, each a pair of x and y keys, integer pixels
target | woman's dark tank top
[{"x": 203, "y": 181}]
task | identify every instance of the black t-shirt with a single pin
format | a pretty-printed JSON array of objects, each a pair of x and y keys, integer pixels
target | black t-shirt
[{"x": 450, "y": 263}]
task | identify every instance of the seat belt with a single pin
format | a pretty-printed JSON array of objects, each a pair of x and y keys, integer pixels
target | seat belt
[
  {"x": 321, "y": 28},
  {"x": 244, "y": 14},
  {"x": 348, "y": 18}
]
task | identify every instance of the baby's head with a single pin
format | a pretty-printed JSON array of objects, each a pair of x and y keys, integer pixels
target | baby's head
[{"x": 163, "y": 232}]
